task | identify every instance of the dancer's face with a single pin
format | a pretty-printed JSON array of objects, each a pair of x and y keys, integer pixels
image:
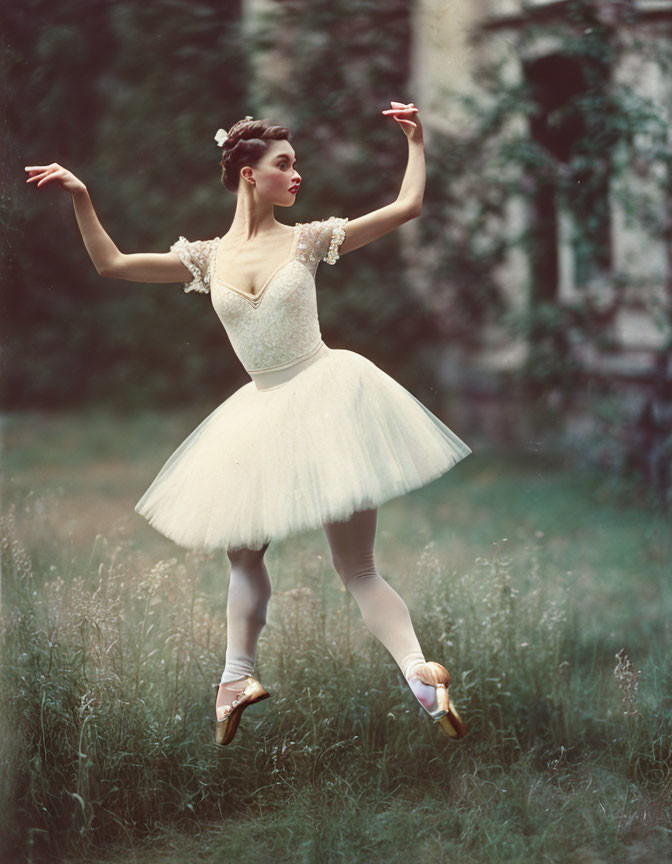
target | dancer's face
[{"x": 275, "y": 175}]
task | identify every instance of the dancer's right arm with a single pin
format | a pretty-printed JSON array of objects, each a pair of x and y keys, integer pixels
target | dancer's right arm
[{"x": 106, "y": 257}]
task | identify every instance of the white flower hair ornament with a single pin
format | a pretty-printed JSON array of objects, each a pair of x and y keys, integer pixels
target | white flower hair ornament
[{"x": 221, "y": 134}]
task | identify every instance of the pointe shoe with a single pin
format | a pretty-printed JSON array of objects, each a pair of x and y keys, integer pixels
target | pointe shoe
[
  {"x": 438, "y": 705},
  {"x": 233, "y": 697}
]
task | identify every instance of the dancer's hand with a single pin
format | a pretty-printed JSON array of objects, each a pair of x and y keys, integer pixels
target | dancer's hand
[
  {"x": 45, "y": 173},
  {"x": 402, "y": 112}
]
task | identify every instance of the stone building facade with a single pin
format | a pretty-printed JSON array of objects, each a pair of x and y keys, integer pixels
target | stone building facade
[{"x": 445, "y": 58}]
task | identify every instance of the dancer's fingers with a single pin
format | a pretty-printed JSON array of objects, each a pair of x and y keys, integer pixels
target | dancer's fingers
[
  {"x": 400, "y": 111},
  {"x": 51, "y": 176},
  {"x": 36, "y": 177}
]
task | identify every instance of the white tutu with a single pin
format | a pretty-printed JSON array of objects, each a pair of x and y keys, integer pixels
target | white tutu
[
  {"x": 317, "y": 434},
  {"x": 339, "y": 436}
]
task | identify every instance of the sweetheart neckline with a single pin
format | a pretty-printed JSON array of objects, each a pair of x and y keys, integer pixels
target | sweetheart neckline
[{"x": 256, "y": 298}]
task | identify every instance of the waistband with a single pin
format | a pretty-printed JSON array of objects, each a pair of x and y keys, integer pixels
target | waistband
[{"x": 269, "y": 379}]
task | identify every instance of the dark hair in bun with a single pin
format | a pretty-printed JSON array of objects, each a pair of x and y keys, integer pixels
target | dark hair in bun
[{"x": 245, "y": 144}]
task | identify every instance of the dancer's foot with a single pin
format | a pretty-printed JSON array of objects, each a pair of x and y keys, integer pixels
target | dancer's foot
[
  {"x": 232, "y": 699},
  {"x": 429, "y": 683}
]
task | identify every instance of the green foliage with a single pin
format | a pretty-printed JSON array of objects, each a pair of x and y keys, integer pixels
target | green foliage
[{"x": 136, "y": 132}]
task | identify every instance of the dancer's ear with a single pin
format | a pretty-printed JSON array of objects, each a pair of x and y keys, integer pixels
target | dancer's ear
[{"x": 247, "y": 175}]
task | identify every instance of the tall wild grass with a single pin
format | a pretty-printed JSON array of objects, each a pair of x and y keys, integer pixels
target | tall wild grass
[{"x": 107, "y": 704}]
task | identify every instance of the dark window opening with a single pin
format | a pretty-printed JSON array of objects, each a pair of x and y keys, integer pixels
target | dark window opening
[{"x": 555, "y": 83}]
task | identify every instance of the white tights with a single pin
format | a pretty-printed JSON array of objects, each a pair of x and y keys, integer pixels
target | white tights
[{"x": 383, "y": 610}]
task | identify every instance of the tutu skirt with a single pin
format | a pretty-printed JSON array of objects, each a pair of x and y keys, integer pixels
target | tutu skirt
[{"x": 294, "y": 448}]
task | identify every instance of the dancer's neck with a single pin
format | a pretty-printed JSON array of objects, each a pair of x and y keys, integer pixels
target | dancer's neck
[{"x": 253, "y": 218}]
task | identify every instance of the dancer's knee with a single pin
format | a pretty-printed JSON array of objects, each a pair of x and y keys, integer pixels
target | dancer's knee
[
  {"x": 352, "y": 569},
  {"x": 351, "y": 545}
]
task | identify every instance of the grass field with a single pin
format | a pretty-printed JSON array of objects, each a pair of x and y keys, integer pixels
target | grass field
[{"x": 525, "y": 577}]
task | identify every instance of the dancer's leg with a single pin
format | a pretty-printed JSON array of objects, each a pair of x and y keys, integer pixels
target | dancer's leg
[
  {"x": 249, "y": 593},
  {"x": 383, "y": 610}
]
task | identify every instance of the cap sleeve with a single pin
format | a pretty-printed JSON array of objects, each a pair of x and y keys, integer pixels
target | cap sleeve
[
  {"x": 330, "y": 237},
  {"x": 195, "y": 256},
  {"x": 324, "y": 239}
]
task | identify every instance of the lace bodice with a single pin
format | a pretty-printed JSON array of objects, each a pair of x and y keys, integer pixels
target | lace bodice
[{"x": 279, "y": 325}]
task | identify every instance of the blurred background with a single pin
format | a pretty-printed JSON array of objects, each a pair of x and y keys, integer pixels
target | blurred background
[
  {"x": 530, "y": 302},
  {"x": 530, "y": 307}
]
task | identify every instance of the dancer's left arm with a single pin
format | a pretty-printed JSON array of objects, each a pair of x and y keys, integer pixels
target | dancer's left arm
[{"x": 408, "y": 205}]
